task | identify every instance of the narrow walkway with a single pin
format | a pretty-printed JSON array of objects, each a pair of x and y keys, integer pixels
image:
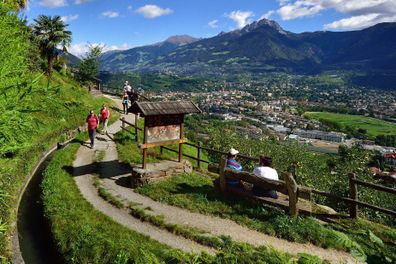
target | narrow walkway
[
  {"x": 112, "y": 173},
  {"x": 83, "y": 172}
]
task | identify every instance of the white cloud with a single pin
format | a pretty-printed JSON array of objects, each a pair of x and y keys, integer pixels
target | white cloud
[
  {"x": 129, "y": 7},
  {"x": 80, "y": 49},
  {"x": 69, "y": 18},
  {"x": 213, "y": 24},
  {"x": 110, "y": 14},
  {"x": 79, "y": 2},
  {"x": 53, "y": 3},
  {"x": 241, "y": 18},
  {"x": 359, "y": 22},
  {"x": 298, "y": 9},
  {"x": 123, "y": 46},
  {"x": 267, "y": 15},
  {"x": 283, "y": 2},
  {"x": 361, "y": 13},
  {"x": 153, "y": 11}
]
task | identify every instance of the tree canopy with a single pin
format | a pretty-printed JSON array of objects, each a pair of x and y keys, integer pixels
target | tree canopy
[{"x": 50, "y": 33}]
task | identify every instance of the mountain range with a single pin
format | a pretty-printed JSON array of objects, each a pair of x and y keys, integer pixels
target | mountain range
[{"x": 263, "y": 46}]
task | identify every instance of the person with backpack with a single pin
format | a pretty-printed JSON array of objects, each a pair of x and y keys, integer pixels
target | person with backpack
[
  {"x": 104, "y": 116},
  {"x": 92, "y": 124}
]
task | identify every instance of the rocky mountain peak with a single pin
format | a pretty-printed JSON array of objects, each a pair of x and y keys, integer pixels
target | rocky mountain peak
[{"x": 263, "y": 23}]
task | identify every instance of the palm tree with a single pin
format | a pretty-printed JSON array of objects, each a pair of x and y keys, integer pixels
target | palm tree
[
  {"x": 50, "y": 33},
  {"x": 21, "y": 3}
]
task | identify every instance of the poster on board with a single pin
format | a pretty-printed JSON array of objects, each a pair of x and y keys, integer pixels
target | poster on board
[{"x": 163, "y": 133}]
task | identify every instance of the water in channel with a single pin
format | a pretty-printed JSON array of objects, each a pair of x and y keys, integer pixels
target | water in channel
[{"x": 35, "y": 237}]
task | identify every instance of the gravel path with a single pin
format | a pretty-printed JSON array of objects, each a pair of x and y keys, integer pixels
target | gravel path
[
  {"x": 113, "y": 174},
  {"x": 83, "y": 170}
]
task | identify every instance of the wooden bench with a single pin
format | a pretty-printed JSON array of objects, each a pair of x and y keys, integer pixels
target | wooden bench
[{"x": 290, "y": 191}]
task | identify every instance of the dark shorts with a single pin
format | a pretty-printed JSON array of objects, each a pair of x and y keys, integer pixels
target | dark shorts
[{"x": 264, "y": 192}]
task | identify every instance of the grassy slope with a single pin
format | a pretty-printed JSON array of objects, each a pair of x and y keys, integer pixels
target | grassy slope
[
  {"x": 373, "y": 126},
  {"x": 196, "y": 193},
  {"x": 52, "y": 117}
]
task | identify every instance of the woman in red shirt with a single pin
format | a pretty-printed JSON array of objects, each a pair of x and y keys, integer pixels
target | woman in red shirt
[
  {"x": 92, "y": 123},
  {"x": 105, "y": 115}
]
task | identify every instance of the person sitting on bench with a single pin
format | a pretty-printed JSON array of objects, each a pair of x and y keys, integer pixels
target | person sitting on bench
[
  {"x": 233, "y": 164},
  {"x": 266, "y": 171}
]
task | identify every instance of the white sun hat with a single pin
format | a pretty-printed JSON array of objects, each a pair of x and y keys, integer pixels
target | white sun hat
[{"x": 233, "y": 151}]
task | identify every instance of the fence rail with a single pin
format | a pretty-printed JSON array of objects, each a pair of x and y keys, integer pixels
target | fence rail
[
  {"x": 135, "y": 126},
  {"x": 352, "y": 200}
]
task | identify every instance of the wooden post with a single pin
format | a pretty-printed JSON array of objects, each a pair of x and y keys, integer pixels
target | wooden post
[
  {"x": 145, "y": 149},
  {"x": 291, "y": 186},
  {"x": 123, "y": 122},
  {"x": 223, "y": 184},
  {"x": 136, "y": 128},
  {"x": 161, "y": 150},
  {"x": 353, "y": 194},
  {"x": 294, "y": 171},
  {"x": 199, "y": 154},
  {"x": 181, "y": 144}
]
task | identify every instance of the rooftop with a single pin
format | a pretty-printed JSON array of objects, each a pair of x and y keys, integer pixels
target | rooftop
[{"x": 165, "y": 108}]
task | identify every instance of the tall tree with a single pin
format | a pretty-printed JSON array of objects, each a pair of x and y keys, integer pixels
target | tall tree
[
  {"x": 50, "y": 33},
  {"x": 89, "y": 66}
]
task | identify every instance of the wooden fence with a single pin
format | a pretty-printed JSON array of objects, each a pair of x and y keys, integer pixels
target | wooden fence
[
  {"x": 352, "y": 200},
  {"x": 134, "y": 126}
]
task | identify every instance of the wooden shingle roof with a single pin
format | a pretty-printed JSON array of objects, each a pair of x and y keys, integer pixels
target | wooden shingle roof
[{"x": 165, "y": 108}]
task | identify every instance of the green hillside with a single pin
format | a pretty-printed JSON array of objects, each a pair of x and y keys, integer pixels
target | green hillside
[{"x": 35, "y": 113}]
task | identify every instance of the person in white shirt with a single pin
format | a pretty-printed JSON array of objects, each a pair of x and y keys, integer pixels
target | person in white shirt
[{"x": 266, "y": 171}]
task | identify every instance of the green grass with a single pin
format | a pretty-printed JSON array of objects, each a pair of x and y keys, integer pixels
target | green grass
[
  {"x": 84, "y": 235},
  {"x": 197, "y": 193},
  {"x": 106, "y": 195},
  {"x": 374, "y": 127},
  {"x": 49, "y": 120}
]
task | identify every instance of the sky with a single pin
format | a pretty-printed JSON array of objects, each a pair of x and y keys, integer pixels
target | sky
[{"x": 124, "y": 24}]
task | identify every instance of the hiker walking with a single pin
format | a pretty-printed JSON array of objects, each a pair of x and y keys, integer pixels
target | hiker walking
[
  {"x": 104, "y": 116},
  {"x": 92, "y": 123},
  {"x": 128, "y": 89},
  {"x": 125, "y": 103}
]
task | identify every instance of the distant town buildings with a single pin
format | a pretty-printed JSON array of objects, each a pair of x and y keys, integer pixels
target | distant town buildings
[{"x": 316, "y": 134}]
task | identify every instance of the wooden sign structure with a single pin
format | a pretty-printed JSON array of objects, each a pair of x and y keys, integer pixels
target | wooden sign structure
[{"x": 163, "y": 123}]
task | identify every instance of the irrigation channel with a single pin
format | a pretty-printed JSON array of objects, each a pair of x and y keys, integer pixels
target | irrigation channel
[{"x": 35, "y": 238}]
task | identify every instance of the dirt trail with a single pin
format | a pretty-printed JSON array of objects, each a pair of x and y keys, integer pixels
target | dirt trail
[{"x": 113, "y": 174}]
